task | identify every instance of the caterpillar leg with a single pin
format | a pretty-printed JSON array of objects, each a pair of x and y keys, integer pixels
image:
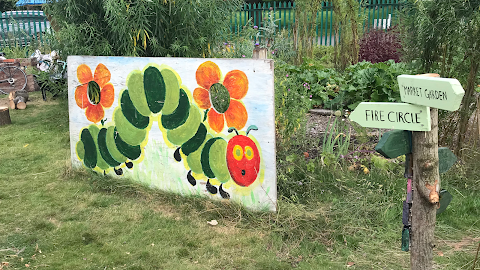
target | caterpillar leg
[
  {"x": 223, "y": 193},
  {"x": 210, "y": 188},
  {"x": 177, "y": 155},
  {"x": 129, "y": 165},
  {"x": 118, "y": 171},
  {"x": 191, "y": 179}
]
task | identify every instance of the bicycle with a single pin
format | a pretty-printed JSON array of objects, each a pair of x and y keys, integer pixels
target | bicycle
[
  {"x": 53, "y": 79},
  {"x": 12, "y": 78}
]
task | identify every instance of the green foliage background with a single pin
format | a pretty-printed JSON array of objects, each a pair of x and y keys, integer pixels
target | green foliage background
[
  {"x": 6, "y": 5},
  {"x": 182, "y": 28}
]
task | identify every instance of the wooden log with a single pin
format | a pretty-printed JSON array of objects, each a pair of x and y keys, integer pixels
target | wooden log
[
  {"x": 22, "y": 93},
  {"x": 20, "y": 102},
  {"x": 11, "y": 104},
  {"x": 4, "y": 116}
]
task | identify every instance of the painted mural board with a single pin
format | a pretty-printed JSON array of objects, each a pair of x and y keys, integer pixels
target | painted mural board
[
  {"x": 392, "y": 116},
  {"x": 440, "y": 93},
  {"x": 186, "y": 125}
]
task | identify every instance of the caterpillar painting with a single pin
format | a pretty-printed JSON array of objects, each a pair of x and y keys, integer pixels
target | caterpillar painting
[{"x": 155, "y": 98}]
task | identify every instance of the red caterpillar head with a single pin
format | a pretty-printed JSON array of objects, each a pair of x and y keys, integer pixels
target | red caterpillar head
[{"x": 243, "y": 158}]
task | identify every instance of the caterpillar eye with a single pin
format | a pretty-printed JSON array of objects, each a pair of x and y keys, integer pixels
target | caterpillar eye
[
  {"x": 237, "y": 152},
  {"x": 249, "y": 152},
  {"x": 243, "y": 172}
]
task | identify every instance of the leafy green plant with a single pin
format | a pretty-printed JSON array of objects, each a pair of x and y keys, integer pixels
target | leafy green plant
[
  {"x": 292, "y": 102},
  {"x": 363, "y": 81},
  {"x": 140, "y": 28},
  {"x": 336, "y": 140}
]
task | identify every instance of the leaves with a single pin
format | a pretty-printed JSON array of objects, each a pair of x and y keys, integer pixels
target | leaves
[
  {"x": 140, "y": 28},
  {"x": 363, "y": 81}
]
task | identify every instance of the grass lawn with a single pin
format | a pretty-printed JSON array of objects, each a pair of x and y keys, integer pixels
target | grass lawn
[{"x": 55, "y": 218}]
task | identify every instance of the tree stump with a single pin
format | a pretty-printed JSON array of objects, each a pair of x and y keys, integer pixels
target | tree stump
[{"x": 4, "y": 116}]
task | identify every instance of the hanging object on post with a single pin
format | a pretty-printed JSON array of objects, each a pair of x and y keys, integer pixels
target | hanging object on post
[{"x": 405, "y": 239}]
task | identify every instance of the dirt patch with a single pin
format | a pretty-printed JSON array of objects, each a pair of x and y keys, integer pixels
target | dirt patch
[
  {"x": 3, "y": 101},
  {"x": 467, "y": 243}
]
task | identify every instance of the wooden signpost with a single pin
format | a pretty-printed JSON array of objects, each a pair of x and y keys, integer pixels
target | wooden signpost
[{"x": 422, "y": 165}]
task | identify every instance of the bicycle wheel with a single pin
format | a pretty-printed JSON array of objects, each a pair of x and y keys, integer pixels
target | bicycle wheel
[{"x": 12, "y": 79}]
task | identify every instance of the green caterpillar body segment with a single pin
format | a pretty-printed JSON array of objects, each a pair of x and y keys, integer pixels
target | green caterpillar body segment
[
  {"x": 196, "y": 141},
  {"x": 171, "y": 91},
  {"x": 155, "y": 89},
  {"x": 217, "y": 160},
  {"x": 130, "y": 134},
  {"x": 104, "y": 152},
  {"x": 112, "y": 147},
  {"x": 90, "y": 152},
  {"x": 80, "y": 149},
  {"x": 137, "y": 92},
  {"x": 179, "y": 116},
  {"x": 184, "y": 132},
  {"x": 132, "y": 152},
  {"x": 101, "y": 163},
  {"x": 205, "y": 158},
  {"x": 130, "y": 112},
  {"x": 194, "y": 159}
]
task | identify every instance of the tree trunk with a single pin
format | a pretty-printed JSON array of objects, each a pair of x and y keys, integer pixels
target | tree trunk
[
  {"x": 425, "y": 195},
  {"x": 4, "y": 116},
  {"x": 465, "y": 110}
]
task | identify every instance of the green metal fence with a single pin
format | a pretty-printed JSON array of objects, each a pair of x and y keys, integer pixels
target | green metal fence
[
  {"x": 20, "y": 28},
  {"x": 376, "y": 14},
  {"x": 23, "y": 27}
]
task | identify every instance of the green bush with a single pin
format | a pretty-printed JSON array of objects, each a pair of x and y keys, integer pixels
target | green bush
[{"x": 140, "y": 28}]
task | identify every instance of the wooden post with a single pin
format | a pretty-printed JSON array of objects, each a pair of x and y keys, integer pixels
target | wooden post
[
  {"x": 4, "y": 116},
  {"x": 426, "y": 185},
  {"x": 259, "y": 53}
]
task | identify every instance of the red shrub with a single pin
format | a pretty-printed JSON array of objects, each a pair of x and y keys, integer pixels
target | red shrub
[{"x": 380, "y": 46}]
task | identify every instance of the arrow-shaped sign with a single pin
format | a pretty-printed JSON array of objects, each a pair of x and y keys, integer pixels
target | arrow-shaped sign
[
  {"x": 392, "y": 116},
  {"x": 441, "y": 93}
]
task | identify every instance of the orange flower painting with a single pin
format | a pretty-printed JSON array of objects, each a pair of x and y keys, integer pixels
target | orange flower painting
[
  {"x": 222, "y": 98},
  {"x": 94, "y": 92}
]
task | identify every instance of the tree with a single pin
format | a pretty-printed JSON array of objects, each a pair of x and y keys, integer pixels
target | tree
[{"x": 443, "y": 36}]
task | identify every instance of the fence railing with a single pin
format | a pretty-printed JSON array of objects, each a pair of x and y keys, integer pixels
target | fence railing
[
  {"x": 20, "y": 28},
  {"x": 375, "y": 14}
]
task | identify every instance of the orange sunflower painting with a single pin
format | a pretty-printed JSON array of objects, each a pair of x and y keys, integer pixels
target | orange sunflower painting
[
  {"x": 94, "y": 92},
  {"x": 221, "y": 98}
]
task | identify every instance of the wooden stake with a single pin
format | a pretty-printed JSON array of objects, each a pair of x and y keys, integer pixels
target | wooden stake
[
  {"x": 426, "y": 185},
  {"x": 4, "y": 116}
]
